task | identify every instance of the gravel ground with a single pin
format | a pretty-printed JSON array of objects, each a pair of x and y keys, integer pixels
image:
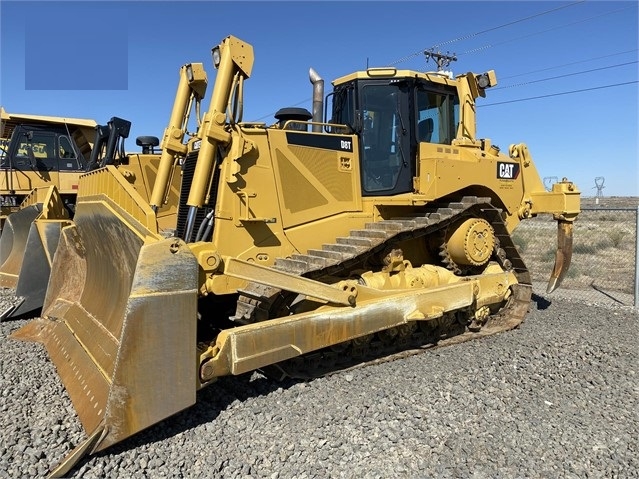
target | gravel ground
[{"x": 556, "y": 398}]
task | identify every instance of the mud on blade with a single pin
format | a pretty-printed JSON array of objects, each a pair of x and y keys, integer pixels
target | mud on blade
[{"x": 119, "y": 315}]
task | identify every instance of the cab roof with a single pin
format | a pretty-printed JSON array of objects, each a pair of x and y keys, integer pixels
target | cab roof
[
  {"x": 8, "y": 121},
  {"x": 443, "y": 78}
]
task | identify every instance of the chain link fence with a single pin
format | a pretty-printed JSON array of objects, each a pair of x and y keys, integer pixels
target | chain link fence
[{"x": 604, "y": 260}]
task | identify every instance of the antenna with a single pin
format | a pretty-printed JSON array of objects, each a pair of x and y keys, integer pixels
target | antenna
[
  {"x": 549, "y": 181},
  {"x": 599, "y": 184},
  {"x": 441, "y": 60}
]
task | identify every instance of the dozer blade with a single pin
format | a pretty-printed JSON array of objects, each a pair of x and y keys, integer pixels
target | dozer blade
[
  {"x": 13, "y": 242},
  {"x": 33, "y": 276},
  {"x": 563, "y": 255},
  {"x": 119, "y": 320}
]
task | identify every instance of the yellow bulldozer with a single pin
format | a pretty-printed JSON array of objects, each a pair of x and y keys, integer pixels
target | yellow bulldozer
[
  {"x": 44, "y": 158},
  {"x": 40, "y": 151},
  {"x": 376, "y": 223}
]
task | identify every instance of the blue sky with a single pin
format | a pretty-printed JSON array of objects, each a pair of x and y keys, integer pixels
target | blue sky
[{"x": 566, "y": 71}]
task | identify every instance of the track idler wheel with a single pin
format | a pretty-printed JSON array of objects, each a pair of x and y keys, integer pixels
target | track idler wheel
[{"x": 471, "y": 243}]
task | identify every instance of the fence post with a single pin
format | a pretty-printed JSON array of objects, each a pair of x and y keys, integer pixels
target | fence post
[{"x": 637, "y": 260}]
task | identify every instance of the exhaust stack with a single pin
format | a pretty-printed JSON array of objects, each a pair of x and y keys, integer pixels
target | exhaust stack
[{"x": 318, "y": 99}]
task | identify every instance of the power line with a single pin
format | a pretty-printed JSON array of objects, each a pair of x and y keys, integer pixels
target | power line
[
  {"x": 472, "y": 35},
  {"x": 565, "y": 75},
  {"x": 558, "y": 94},
  {"x": 568, "y": 64},
  {"x": 527, "y": 83},
  {"x": 466, "y": 37},
  {"x": 421, "y": 52},
  {"x": 523, "y": 84},
  {"x": 490, "y": 45}
]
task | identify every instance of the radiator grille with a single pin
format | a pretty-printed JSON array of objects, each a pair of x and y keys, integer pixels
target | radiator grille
[{"x": 188, "y": 170}]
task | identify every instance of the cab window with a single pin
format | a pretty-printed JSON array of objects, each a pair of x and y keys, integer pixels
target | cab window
[
  {"x": 66, "y": 150},
  {"x": 4, "y": 148},
  {"x": 36, "y": 149},
  {"x": 437, "y": 116}
]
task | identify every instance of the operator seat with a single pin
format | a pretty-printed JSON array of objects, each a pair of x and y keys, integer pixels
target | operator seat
[{"x": 425, "y": 130}]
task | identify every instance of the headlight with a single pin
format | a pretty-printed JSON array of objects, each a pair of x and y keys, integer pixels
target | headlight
[
  {"x": 216, "y": 56},
  {"x": 486, "y": 80},
  {"x": 483, "y": 81},
  {"x": 189, "y": 73}
]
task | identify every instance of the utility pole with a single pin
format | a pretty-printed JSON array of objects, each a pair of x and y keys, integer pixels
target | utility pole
[{"x": 441, "y": 60}]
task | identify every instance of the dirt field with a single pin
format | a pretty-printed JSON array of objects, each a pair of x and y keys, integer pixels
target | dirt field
[
  {"x": 610, "y": 202},
  {"x": 604, "y": 248}
]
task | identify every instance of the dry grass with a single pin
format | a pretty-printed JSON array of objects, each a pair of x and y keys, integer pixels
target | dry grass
[{"x": 604, "y": 246}]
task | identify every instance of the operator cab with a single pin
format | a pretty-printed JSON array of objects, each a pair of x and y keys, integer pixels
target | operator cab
[
  {"x": 392, "y": 114},
  {"x": 42, "y": 148}
]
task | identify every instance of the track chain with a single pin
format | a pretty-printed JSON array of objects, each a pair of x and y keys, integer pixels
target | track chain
[{"x": 258, "y": 302}]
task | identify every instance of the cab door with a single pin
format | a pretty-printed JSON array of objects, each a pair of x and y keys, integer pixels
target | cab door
[
  {"x": 386, "y": 164},
  {"x": 68, "y": 155}
]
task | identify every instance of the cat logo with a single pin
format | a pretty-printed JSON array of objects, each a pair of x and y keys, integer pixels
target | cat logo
[{"x": 507, "y": 171}]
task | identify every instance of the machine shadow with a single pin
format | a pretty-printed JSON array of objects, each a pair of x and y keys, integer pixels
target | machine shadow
[
  {"x": 210, "y": 402},
  {"x": 541, "y": 302}
]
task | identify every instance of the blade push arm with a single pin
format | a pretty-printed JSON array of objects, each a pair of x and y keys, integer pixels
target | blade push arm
[
  {"x": 234, "y": 60},
  {"x": 192, "y": 87}
]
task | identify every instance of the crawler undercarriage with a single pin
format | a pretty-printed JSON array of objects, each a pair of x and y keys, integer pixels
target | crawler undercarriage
[{"x": 380, "y": 247}]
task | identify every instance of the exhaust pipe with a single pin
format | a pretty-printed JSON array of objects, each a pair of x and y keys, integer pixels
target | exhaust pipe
[{"x": 318, "y": 99}]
